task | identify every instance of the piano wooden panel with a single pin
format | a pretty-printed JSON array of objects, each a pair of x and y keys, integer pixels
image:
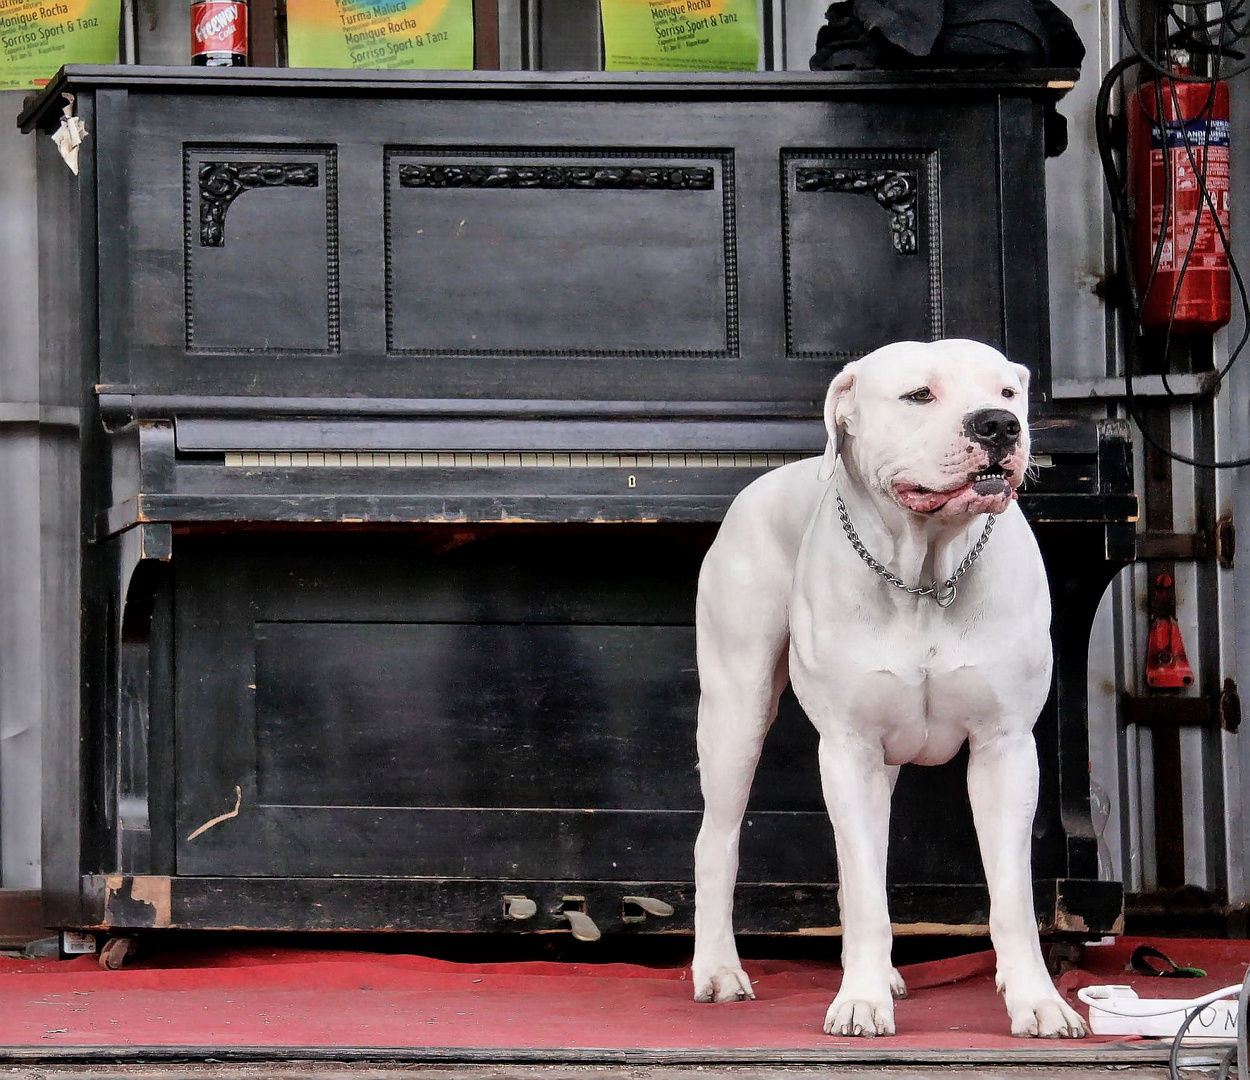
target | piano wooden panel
[
  {"x": 411, "y": 407},
  {"x": 267, "y": 193},
  {"x": 631, "y": 244}
]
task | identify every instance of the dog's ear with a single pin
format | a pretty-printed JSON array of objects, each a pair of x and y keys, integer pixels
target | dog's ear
[
  {"x": 838, "y": 402},
  {"x": 1023, "y": 373}
]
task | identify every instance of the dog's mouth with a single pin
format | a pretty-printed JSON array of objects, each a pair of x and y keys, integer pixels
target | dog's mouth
[{"x": 992, "y": 482}]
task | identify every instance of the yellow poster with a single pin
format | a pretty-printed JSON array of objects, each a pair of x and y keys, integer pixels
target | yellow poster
[
  {"x": 38, "y": 36},
  {"x": 380, "y": 33},
  {"x": 680, "y": 35}
]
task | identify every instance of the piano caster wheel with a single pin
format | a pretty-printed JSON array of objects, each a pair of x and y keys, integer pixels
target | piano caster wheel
[
  {"x": 1063, "y": 956},
  {"x": 117, "y": 952}
]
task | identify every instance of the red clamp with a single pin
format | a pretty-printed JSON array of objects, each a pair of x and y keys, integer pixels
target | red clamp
[{"x": 1167, "y": 666}]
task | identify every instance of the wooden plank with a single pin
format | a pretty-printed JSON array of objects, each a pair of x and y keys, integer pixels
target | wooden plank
[
  {"x": 79, "y": 78},
  {"x": 263, "y": 33},
  {"x": 424, "y": 905},
  {"x": 273, "y": 1068},
  {"x": 1093, "y": 1060},
  {"x": 486, "y": 35},
  {"x": 655, "y": 495}
]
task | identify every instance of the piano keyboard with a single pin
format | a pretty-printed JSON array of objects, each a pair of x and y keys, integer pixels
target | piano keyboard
[{"x": 488, "y": 460}]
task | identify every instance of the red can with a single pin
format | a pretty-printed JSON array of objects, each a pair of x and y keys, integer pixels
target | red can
[{"x": 219, "y": 33}]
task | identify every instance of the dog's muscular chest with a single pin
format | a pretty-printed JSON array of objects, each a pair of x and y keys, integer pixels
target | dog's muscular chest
[
  {"x": 921, "y": 712},
  {"x": 921, "y": 694}
]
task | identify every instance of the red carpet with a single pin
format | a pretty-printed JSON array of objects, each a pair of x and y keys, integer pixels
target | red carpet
[{"x": 273, "y": 997}]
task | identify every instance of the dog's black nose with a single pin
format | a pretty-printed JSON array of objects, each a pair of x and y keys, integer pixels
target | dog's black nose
[{"x": 996, "y": 429}]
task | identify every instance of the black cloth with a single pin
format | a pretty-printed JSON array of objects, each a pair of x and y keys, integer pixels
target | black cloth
[{"x": 911, "y": 34}]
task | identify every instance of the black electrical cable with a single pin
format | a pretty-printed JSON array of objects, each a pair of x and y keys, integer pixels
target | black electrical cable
[
  {"x": 1174, "y": 1054},
  {"x": 1232, "y": 25},
  {"x": 1186, "y": 35},
  {"x": 1237, "y": 1053},
  {"x": 1205, "y": 114},
  {"x": 1189, "y": 38},
  {"x": 1207, "y": 202},
  {"x": 1243, "y": 1053}
]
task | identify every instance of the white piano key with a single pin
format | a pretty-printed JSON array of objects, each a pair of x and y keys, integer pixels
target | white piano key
[{"x": 496, "y": 459}]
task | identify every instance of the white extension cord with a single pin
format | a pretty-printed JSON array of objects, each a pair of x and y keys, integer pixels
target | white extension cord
[{"x": 1117, "y": 1010}]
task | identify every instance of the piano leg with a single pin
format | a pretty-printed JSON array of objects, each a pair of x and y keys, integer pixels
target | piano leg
[{"x": 1066, "y": 847}]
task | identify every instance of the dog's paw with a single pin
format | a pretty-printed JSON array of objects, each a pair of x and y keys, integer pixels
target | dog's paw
[
  {"x": 724, "y": 984},
  {"x": 1049, "y": 1017},
  {"x": 848, "y": 1016},
  {"x": 898, "y": 988}
]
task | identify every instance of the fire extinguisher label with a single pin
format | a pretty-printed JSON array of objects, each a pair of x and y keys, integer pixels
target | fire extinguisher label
[
  {"x": 1196, "y": 156},
  {"x": 1181, "y": 133}
]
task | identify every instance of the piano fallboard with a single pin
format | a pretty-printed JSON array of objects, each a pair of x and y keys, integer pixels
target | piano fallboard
[{"x": 242, "y": 465}]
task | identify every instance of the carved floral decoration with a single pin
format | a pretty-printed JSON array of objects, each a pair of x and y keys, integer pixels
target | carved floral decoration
[
  {"x": 221, "y": 182},
  {"x": 894, "y": 189}
]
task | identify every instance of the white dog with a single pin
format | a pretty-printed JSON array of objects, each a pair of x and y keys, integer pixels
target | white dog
[{"x": 806, "y": 581}]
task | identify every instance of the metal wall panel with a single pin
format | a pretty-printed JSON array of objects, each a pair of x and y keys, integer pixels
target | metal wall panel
[
  {"x": 568, "y": 38},
  {"x": 1077, "y": 222},
  {"x": 19, "y": 496},
  {"x": 800, "y": 20},
  {"x": 1213, "y": 831},
  {"x": 163, "y": 32},
  {"x": 1234, "y": 493}
]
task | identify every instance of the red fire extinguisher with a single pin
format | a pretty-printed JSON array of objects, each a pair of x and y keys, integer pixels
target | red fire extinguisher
[{"x": 1170, "y": 163}]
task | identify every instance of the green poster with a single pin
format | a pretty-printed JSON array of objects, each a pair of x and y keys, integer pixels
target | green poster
[
  {"x": 38, "y": 36},
  {"x": 680, "y": 35},
  {"x": 380, "y": 33}
]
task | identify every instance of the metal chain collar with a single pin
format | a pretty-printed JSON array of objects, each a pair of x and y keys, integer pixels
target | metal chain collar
[{"x": 943, "y": 593}]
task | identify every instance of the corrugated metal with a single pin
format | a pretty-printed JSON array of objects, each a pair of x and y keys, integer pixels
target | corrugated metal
[
  {"x": 20, "y": 659},
  {"x": 1234, "y": 495},
  {"x": 1214, "y": 830}
]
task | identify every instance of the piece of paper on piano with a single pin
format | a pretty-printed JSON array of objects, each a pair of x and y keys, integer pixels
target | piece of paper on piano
[{"x": 69, "y": 136}]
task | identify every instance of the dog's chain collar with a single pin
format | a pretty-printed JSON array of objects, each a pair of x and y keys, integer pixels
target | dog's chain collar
[{"x": 943, "y": 592}]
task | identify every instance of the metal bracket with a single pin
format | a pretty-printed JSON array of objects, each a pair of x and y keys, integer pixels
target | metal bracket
[
  {"x": 1229, "y": 706},
  {"x": 1157, "y": 544},
  {"x": 1225, "y": 540},
  {"x": 1222, "y": 710},
  {"x": 1161, "y": 544},
  {"x": 1111, "y": 388}
]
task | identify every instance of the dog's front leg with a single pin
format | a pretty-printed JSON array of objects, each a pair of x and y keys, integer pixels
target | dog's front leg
[
  {"x": 857, "y": 785},
  {"x": 733, "y": 720},
  {"x": 1002, "y": 787}
]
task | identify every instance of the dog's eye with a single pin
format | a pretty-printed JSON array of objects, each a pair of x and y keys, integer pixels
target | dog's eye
[
  {"x": 921, "y": 396},
  {"x": 1008, "y": 393}
]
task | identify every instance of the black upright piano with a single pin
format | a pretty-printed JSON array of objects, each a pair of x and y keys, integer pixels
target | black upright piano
[{"x": 409, "y": 405}]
